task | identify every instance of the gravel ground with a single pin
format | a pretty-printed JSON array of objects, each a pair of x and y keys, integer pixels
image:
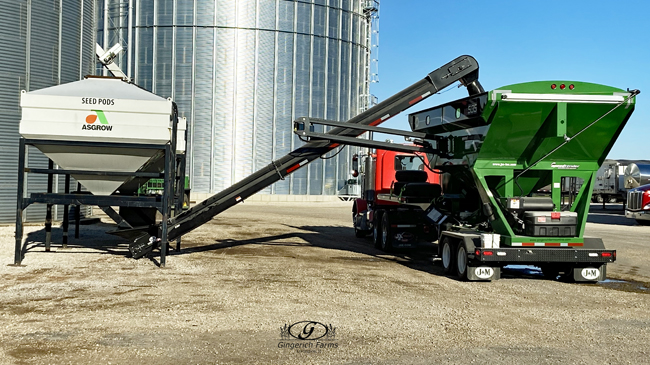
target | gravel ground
[{"x": 257, "y": 267}]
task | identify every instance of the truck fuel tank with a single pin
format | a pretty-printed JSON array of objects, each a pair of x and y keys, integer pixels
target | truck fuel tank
[{"x": 637, "y": 175}]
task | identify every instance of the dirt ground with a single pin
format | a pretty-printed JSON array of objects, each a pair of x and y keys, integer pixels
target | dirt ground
[{"x": 240, "y": 279}]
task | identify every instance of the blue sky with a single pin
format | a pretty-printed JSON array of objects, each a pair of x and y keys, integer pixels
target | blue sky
[{"x": 604, "y": 42}]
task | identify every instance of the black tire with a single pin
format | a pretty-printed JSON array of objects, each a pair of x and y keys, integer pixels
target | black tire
[
  {"x": 567, "y": 274},
  {"x": 643, "y": 222},
  {"x": 447, "y": 254},
  {"x": 550, "y": 272},
  {"x": 357, "y": 232},
  {"x": 461, "y": 262},
  {"x": 376, "y": 230},
  {"x": 599, "y": 198},
  {"x": 386, "y": 234},
  {"x": 612, "y": 199}
]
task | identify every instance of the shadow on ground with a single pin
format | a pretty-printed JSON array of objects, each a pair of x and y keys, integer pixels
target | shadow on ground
[
  {"x": 610, "y": 214},
  {"x": 92, "y": 237},
  {"x": 423, "y": 258},
  {"x": 611, "y": 218},
  {"x": 334, "y": 238}
]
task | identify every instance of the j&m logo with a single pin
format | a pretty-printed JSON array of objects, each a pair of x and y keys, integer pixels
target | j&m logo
[{"x": 94, "y": 117}]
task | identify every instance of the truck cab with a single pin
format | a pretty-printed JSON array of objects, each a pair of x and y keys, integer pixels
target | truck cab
[{"x": 396, "y": 187}]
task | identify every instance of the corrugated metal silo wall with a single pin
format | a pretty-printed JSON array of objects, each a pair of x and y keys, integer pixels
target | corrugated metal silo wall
[
  {"x": 43, "y": 43},
  {"x": 241, "y": 71}
]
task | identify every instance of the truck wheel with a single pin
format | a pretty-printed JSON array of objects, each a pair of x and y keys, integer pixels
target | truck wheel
[
  {"x": 461, "y": 262},
  {"x": 386, "y": 236},
  {"x": 612, "y": 199},
  {"x": 643, "y": 222},
  {"x": 447, "y": 255},
  {"x": 599, "y": 198},
  {"x": 376, "y": 230},
  {"x": 358, "y": 233}
]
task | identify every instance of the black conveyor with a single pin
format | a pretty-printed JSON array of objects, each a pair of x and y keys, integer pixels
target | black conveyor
[{"x": 463, "y": 69}]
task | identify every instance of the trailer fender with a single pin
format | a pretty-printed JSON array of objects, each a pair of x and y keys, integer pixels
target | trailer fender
[{"x": 471, "y": 241}]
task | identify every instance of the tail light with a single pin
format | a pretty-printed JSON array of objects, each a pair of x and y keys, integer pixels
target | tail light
[{"x": 485, "y": 253}]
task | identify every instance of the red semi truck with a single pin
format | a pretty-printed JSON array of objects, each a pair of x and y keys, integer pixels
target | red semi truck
[{"x": 396, "y": 187}]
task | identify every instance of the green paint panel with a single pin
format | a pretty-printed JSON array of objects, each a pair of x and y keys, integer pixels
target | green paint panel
[{"x": 561, "y": 136}]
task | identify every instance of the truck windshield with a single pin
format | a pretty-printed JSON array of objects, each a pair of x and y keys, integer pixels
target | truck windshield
[{"x": 408, "y": 162}]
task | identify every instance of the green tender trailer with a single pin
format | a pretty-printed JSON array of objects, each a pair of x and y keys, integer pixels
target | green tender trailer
[{"x": 497, "y": 151}]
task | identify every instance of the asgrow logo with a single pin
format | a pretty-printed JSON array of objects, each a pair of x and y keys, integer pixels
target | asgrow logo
[{"x": 101, "y": 126}]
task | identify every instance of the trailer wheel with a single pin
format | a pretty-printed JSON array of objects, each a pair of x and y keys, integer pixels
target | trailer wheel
[
  {"x": 599, "y": 198},
  {"x": 447, "y": 255},
  {"x": 612, "y": 199},
  {"x": 567, "y": 274},
  {"x": 376, "y": 230},
  {"x": 386, "y": 236},
  {"x": 461, "y": 261},
  {"x": 550, "y": 272}
]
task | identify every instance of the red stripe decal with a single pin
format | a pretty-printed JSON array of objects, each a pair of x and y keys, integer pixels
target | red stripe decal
[
  {"x": 553, "y": 244},
  {"x": 293, "y": 168},
  {"x": 575, "y": 244},
  {"x": 334, "y": 145},
  {"x": 376, "y": 122},
  {"x": 415, "y": 100},
  {"x": 527, "y": 244}
]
